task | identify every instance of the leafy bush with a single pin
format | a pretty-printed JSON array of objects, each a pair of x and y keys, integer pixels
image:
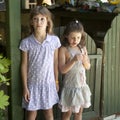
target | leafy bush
[
  {"x": 3, "y": 115},
  {"x": 4, "y": 69}
]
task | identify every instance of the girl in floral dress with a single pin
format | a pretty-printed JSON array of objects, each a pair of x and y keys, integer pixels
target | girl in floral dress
[{"x": 39, "y": 65}]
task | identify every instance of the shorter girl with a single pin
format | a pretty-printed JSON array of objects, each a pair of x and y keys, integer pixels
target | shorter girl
[{"x": 73, "y": 60}]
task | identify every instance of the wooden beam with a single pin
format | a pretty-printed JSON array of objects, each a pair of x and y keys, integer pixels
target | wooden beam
[{"x": 13, "y": 32}]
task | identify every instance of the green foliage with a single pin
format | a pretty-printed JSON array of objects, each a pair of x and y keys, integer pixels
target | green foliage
[
  {"x": 3, "y": 115},
  {"x": 4, "y": 69},
  {"x": 3, "y": 100}
]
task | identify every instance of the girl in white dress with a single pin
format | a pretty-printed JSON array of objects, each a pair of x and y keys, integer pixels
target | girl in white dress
[
  {"x": 73, "y": 60},
  {"x": 39, "y": 65}
]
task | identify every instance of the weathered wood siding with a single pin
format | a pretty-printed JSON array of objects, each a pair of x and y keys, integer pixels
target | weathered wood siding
[{"x": 111, "y": 71}]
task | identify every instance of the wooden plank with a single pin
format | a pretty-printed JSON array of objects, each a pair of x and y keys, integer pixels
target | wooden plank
[
  {"x": 114, "y": 80},
  {"x": 112, "y": 68},
  {"x": 13, "y": 22},
  {"x": 91, "y": 47},
  {"x": 108, "y": 71},
  {"x": 118, "y": 63},
  {"x": 98, "y": 82}
]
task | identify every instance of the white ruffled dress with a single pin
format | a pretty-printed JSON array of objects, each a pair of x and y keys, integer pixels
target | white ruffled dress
[{"x": 75, "y": 92}]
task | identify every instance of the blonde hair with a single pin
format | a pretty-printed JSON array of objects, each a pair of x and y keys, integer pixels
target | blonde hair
[{"x": 44, "y": 11}]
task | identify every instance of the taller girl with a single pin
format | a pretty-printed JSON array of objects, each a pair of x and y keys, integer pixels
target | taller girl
[{"x": 39, "y": 65}]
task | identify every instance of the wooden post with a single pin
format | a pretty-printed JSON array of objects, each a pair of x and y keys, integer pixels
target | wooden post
[{"x": 13, "y": 33}]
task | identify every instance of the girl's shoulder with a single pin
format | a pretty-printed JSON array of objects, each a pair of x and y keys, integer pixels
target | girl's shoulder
[
  {"x": 24, "y": 46},
  {"x": 63, "y": 49},
  {"x": 54, "y": 41},
  {"x": 54, "y": 37},
  {"x": 26, "y": 41}
]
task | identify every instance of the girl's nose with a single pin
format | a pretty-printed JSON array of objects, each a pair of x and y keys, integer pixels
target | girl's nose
[
  {"x": 37, "y": 20},
  {"x": 75, "y": 39}
]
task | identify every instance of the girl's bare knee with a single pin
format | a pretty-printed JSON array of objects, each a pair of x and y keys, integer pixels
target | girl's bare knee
[
  {"x": 48, "y": 114},
  {"x": 31, "y": 115},
  {"x": 66, "y": 115},
  {"x": 78, "y": 116}
]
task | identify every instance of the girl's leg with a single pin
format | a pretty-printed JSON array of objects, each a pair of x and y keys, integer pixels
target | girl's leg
[
  {"x": 66, "y": 115},
  {"x": 31, "y": 115},
  {"x": 48, "y": 114},
  {"x": 78, "y": 116}
]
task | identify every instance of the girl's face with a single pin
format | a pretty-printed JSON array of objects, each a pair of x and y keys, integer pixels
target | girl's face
[
  {"x": 39, "y": 23},
  {"x": 74, "y": 38}
]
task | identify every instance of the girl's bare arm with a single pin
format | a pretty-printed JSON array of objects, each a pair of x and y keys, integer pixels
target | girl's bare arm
[
  {"x": 24, "y": 75},
  {"x": 86, "y": 60},
  {"x": 64, "y": 64},
  {"x": 56, "y": 68}
]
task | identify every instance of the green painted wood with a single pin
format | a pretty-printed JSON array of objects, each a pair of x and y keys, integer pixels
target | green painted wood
[
  {"x": 23, "y": 5},
  {"x": 117, "y": 63},
  {"x": 112, "y": 69},
  {"x": 13, "y": 32}
]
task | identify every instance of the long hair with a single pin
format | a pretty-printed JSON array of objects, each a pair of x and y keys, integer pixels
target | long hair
[
  {"x": 43, "y": 11},
  {"x": 73, "y": 26}
]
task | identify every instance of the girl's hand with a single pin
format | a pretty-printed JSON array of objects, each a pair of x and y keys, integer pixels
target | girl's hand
[
  {"x": 78, "y": 57},
  {"x": 26, "y": 95},
  {"x": 57, "y": 85},
  {"x": 85, "y": 57},
  {"x": 86, "y": 62}
]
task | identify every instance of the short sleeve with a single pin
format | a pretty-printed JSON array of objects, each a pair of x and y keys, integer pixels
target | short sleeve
[
  {"x": 57, "y": 42},
  {"x": 24, "y": 46}
]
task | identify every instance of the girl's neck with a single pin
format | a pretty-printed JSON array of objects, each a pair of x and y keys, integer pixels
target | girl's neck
[
  {"x": 76, "y": 48},
  {"x": 73, "y": 47},
  {"x": 40, "y": 36}
]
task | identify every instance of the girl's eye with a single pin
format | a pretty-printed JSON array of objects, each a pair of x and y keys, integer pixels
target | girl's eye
[
  {"x": 42, "y": 19},
  {"x": 38, "y": 19},
  {"x": 35, "y": 19}
]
